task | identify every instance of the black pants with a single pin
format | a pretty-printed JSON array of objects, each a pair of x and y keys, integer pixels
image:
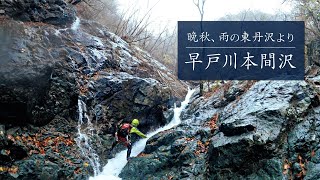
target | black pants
[{"x": 128, "y": 144}]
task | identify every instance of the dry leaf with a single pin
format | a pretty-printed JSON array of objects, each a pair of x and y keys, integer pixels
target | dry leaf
[{"x": 13, "y": 170}]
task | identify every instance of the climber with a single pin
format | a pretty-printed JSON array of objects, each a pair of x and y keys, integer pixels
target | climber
[{"x": 123, "y": 135}]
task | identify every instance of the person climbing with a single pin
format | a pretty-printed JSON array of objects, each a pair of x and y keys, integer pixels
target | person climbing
[{"x": 123, "y": 135}]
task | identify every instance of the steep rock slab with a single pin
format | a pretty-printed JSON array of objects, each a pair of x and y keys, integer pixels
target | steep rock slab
[
  {"x": 122, "y": 97},
  {"x": 177, "y": 153},
  {"x": 252, "y": 138},
  {"x": 36, "y": 82}
]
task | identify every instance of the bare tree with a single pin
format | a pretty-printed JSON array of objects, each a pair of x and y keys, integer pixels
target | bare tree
[
  {"x": 200, "y": 6},
  {"x": 309, "y": 12},
  {"x": 134, "y": 26},
  {"x": 254, "y": 15}
]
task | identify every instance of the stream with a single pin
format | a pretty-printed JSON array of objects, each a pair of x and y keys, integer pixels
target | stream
[{"x": 115, "y": 165}]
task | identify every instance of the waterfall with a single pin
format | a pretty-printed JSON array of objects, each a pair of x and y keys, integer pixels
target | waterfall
[
  {"x": 83, "y": 141},
  {"x": 75, "y": 25},
  {"x": 112, "y": 170}
]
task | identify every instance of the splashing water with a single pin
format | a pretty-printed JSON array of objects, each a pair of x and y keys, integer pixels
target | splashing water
[
  {"x": 83, "y": 141},
  {"x": 112, "y": 170},
  {"x": 75, "y": 25}
]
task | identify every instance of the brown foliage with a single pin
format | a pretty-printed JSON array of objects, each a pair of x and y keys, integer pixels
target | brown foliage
[
  {"x": 302, "y": 164},
  {"x": 202, "y": 147},
  {"x": 37, "y": 144},
  {"x": 213, "y": 122}
]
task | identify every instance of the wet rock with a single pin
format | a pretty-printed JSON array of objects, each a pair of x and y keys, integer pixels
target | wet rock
[
  {"x": 45, "y": 68},
  {"x": 54, "y": 12},
  {"x": 43, "y": 88},
  {"x": 248, "y": 137},
  {"x": 123, "y": 96},
  {"x": 48, "y": 152},
  {"x": 172, "y": 154},
  {"x": 267, "y": 131},
  {"x": 269, "y": 169},
  {"x": 231, "y": 92},
  {"x": 161, "y": 139},
  {"x": 168, "y": 114},
  {"x": 313, "y": 172},
  {"x": 3, "y": 138},
  {"x": 49, "y": 171}
]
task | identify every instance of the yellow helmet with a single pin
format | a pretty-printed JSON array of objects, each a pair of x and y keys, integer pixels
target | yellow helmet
[{"x": 135, "y": 122}]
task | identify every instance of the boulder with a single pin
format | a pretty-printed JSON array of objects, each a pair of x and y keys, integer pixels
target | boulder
[
  {"x": 35, "y": 84},
  {"x": 269, "y": 130},
  {"x": 120, "y": 96},
  {"x": 172, "y": 154}
]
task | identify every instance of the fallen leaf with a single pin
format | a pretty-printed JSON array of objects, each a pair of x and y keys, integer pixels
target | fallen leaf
[
  {"x": 286, "y": 166},
  {"x": 42, "y": 151},
  {"x": 3, "y": 169},
  {"x": 10, "y": 137},
  {"x": 30, "y": 138},
  {"x": 13, "y": 169},
  {"x": 77, "y": 170}
]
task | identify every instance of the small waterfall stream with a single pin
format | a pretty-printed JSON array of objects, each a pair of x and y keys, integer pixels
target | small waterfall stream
[
  {"x": 74, "y": 27},
  {"x": 112, "y": 170},
  {"x": 85, "y": 128}
]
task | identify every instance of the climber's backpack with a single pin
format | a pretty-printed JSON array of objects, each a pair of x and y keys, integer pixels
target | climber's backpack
[{"x": 124, "y": 130}]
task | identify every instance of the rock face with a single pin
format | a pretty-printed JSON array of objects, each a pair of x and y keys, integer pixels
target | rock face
[
  {"x": 121, "y": 96},
  {"x": 176, "y": 153},
  {"x": 257, "y": 142},
  {"x": 45, "y": 68},
  {"x": 34, "y": 77},
  {"x": 268, "y": 130},
  {"x": 47, "y": 152},
  {"x": 56, "y": 12}
]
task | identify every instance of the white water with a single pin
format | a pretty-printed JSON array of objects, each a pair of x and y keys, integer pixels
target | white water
[
  {"x": 75, "y": 25},
  {"x": 112, "y": 170},
  {"x": 83, "y": 141}
]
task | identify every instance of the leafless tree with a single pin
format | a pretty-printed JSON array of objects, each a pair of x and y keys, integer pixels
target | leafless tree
[
  {"x": 133, "y": 27},
  {"x": 200, "y": 6}
]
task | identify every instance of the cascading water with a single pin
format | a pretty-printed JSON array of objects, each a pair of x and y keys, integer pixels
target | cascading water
[
  {"x": 75, "y": 26},
  {"x": 112, "y": 170},
  {"x": 83, "y": 141},
  {"x": 86, "y": 130}
]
